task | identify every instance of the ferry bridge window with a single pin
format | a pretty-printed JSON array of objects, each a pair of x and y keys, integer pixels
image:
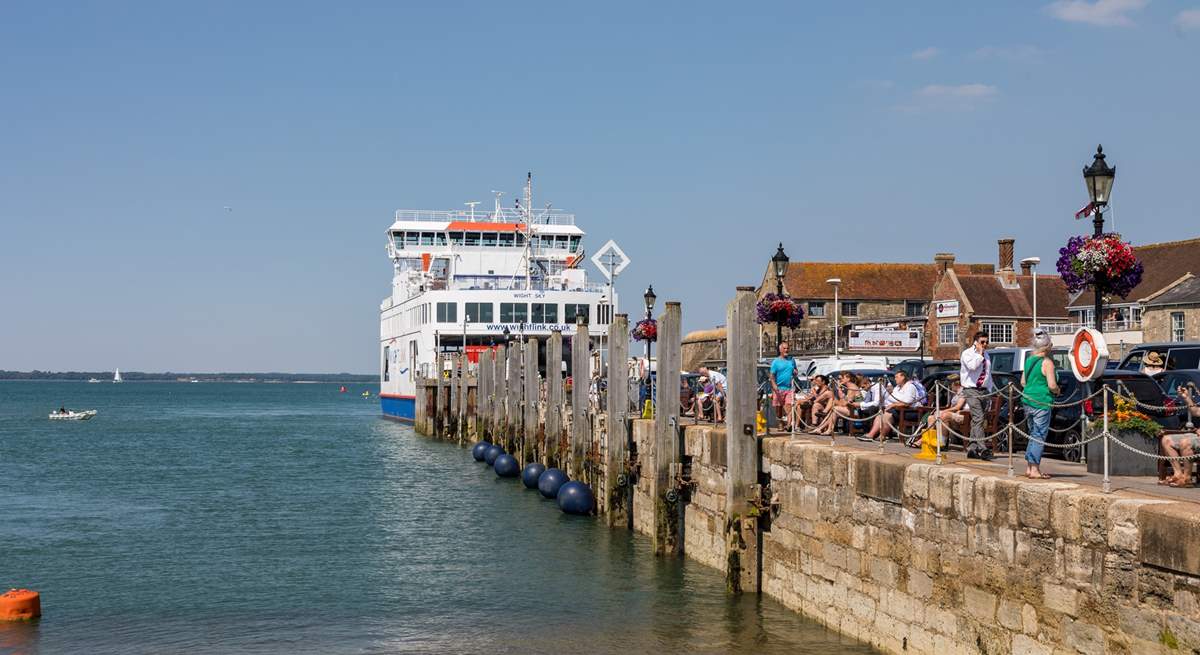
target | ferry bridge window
[
  {"x": 447, "y": 312},
  {"x": 561, "y": 242},
  {"x": 603, "y": 314},
  {"x": 479, "y": 312},
  {"x": 545, "y": 312},
  {"x": 427, "y": 238},
  {"x": 506, "y": 240},
  {"x": 514, "y": 312},
  {"x": 575, "y": 244},
  {"x": 456, "y": 238},
  {"x": 547, "y": 241},
  {"x": 520, "y": 239},
  {"x": 410, "y": 238},
  {"x": 398, "y": 240},
  {"x": 489, "y": 239},
  {"x": 472, "y": 239},
  {"x": 441, "y": 238},
  {"x": 570, "y": 311}
]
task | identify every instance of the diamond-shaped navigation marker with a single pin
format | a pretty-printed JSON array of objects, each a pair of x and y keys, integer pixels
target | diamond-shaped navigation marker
[{"x": 610, "y": 255}]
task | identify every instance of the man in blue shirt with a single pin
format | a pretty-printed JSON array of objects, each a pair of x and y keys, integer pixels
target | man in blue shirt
[{"x": 783, "y": 372}]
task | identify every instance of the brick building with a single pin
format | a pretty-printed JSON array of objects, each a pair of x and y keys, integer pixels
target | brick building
[
  {"x": 870, "y": 294},
  {"x": 999, "y": 302}
]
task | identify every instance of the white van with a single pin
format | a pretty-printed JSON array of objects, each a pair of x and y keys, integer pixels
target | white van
[
  {"x": 828, "y": 365},
  {"x": 1012, "y": 360}
]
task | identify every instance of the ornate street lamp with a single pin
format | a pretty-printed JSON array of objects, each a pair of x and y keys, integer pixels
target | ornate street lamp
[
  {"x": 1099, "y": 179},
  {"x": 780, "y": 262},
  {"x": 649, "y": 297}
]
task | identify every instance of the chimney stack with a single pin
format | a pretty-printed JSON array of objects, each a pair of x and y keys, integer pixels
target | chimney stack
[
  {"x": 1006, "y": 254},
  {"x": 1026, "y": 269},
  {"x": 943, "y": 261}
]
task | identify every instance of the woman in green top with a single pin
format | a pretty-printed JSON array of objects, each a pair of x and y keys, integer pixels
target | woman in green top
[{"x": 1041, "y": 385}]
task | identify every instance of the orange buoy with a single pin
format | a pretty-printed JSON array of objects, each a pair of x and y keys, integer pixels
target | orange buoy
[{"x": 20, "y": 605}]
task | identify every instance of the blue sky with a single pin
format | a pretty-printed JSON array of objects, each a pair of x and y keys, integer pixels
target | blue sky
[{"x": 695, "y": 134}]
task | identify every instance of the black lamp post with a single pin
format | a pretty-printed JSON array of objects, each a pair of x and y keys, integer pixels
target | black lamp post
[
  {"x": 649, "y": 297},
  {"x": 1099, "y": 179},
  {"x": 780, "y": 262},
  {"x": 507, "y": 335}
]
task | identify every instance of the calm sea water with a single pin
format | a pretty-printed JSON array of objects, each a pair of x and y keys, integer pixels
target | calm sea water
[{"x": 256, "y": 518}]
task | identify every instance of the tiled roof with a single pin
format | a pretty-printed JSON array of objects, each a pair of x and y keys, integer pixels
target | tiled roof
[
  {"x": 988, "y": 297},
  {"x": 1185, "y": 292},
  {"x": 1164, "y": 264},
  {"x": 865, "y": 281}
]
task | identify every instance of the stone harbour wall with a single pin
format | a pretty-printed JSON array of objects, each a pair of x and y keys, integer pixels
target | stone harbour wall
[{"x": 919, "y": 558}]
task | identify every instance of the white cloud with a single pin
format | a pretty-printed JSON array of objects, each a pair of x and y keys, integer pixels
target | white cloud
[
  {"x": 948, "y": 97},
  {"x": 959, "y": 92},
  {"x": 1107, "y": 13},
  {"x": 926, "y": 54},
  {"x": 1188, "y": 19},
  {"x": 1010, "y": 53}
]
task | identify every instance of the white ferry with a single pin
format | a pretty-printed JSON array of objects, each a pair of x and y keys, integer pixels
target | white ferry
[{"x": 465, "y": 281}]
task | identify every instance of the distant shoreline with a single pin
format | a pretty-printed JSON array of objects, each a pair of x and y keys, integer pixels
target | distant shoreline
[{"x": 138, "y": 376}]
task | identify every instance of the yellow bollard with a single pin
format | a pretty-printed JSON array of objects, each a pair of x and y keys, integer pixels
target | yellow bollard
[{"x": 929, "y": 442}]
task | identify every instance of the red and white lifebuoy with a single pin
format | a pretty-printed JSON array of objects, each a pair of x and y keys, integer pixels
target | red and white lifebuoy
[{"x": 1089, "y": 354}]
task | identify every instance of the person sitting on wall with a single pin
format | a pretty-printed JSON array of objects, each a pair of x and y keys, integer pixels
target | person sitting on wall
[
  {"x": 717, "y": 395},
  {"x": 900, "y": 397},
  {"x": 813, "y": 406},
  {"x": 1185, "y": 444},
  {"x": 956, "y": 413}
]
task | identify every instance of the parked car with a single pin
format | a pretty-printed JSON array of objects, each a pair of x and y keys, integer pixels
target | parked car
[
  {"x": 1178, "y": 355},
  {"x": 1012, "y": 360},
  {"x": 919, "y": 369},
  {"x": 1171, "y": 381}
]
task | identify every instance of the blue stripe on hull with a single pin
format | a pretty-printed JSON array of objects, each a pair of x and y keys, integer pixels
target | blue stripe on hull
[{"x": 404, "y": 409}]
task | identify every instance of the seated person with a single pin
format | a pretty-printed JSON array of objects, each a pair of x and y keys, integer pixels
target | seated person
[
  {"x": 956, "y": 415},
  {"x": 720, "y": 388},
  {"x": 847, "y": 394},
  {"x": 900, "y": 397},
  {"x": 1182, "y": 445},
  {"x": 813, "y": 406}
]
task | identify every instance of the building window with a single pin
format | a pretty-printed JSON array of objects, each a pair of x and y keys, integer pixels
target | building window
[
  {"x": 850, "y": 308},
  {"x": 998, "y": 332},
  {"x": 816, "y": 309},
  {"x": 545, "y": 312},
  {"x": 1178, "y": 333},
  {"x": 514, "y": 312},
  {"x": 570, "y": 311},
  {"x": 447, "y": 312},
  {"x": 914, "y": 308},
  {"x": 479, "y": 312},
  {"x": 948, "y": 333}
]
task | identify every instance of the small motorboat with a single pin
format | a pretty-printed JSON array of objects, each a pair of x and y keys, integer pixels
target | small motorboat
[{"x": 72, "y": 414}]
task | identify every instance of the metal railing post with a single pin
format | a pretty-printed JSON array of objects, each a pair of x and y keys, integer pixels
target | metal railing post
[
  {"x": 1107, "y": 483},
  {"x": 1011, "y": 411},
  {"x": 937, "y": 419}
]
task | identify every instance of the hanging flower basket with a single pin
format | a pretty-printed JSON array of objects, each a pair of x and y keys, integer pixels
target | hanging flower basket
[
  {"x": 1105, "y": 263},
  {"x": 775, "y": 308},
  {"x": 645, "y": 330}
]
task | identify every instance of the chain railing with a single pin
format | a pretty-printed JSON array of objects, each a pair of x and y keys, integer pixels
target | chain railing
[{"x": 1009, "y": 431}]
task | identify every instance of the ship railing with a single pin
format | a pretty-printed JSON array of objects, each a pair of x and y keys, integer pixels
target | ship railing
[
  {"x": 505, "y": 215},
  {"x": 491, "y": 282}
]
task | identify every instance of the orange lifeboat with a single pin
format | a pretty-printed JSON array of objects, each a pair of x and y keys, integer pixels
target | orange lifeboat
[{"x": 20, "y": 605}]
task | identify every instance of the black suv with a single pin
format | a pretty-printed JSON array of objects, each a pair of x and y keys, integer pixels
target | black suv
[{"x": 1178, "y": 354}]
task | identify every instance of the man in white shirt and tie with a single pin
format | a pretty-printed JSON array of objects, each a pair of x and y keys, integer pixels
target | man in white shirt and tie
[{"x": 975, "y": 373}]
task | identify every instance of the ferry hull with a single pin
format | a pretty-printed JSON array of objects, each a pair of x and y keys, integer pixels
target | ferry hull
[{"x": 403, "y": 408}]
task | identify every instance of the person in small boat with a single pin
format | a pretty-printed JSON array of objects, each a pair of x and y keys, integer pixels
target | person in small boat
[{"x": 62, "y": 410}]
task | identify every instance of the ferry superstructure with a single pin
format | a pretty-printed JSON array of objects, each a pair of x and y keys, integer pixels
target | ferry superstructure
[{"x": 465, "y": 281}]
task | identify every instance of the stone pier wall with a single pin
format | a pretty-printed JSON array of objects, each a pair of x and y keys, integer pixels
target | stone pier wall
[{"x": 918, "y": 558}]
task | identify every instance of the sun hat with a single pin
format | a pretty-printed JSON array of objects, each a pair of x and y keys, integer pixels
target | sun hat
[{"x": 1153, "y": 359}]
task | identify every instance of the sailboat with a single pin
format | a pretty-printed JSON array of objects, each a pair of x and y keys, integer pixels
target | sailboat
[{"x": 117, "y": 377}]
